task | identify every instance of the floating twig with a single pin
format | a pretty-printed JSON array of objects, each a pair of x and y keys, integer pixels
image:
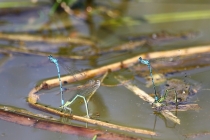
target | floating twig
[
  {"x": 33, "y": 97},
  {"x": 29, "y": 37},
  {"x": 40, "y": 121},
  {"x": 164, "y": 110},
  {"x": 34, "y": 52},
  {"x": 144, "y": 96},
  {"x": 184, "y": 107},
  {"x": 129, "y": 62},
  {"x": 124, "y": 47},
  {"x": 83, "y": 119},
  {"x": 195, "y": 135}
]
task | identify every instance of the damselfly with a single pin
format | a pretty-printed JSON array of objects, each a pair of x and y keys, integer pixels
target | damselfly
[
  {"x": 146, "y": 62},
  {"x": 165, "y": 95},
  {"x": 55, "y": 61},
  {"x": 177, "y": 91},
  {"x": 70, "y": 70},
  {"x": 157, "y": 99}
]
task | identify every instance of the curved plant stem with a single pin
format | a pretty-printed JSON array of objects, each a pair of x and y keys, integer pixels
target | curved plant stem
[
  {"x": 7, "y": 49},
  {"x": 33, "y": 97},
  {"x": 26, "y": 118},
  {"x": 165, "y": 110},
  {"x": 64, "y": 39},
  {"x": 127, "y": 63}
]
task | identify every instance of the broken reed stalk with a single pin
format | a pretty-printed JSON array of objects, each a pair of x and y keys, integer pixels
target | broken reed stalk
[
  {"x": 33, "y": 97},
  {"x": 87, "y": 120},
  {"x": 7, "y": 49},
  {"x": 164, "y": 110},
  {"x": 195, "y": 135},
  {"x": 91, "y": 121},
  {"x": 123, "y": 47},
  {"x": 143, "y": 95},
  {"x": 183, "y": 107},
  {"x": 64, "y": 39},
  {"x": 26, "y": 118},
  {"x": 127, "y": 63}
]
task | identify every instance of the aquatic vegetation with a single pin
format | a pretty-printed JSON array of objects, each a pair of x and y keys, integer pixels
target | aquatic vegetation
[{"x": 184, "y": 90}]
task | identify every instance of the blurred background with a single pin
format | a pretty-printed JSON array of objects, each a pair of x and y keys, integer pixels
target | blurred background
[{"x": 87, "y": 34}]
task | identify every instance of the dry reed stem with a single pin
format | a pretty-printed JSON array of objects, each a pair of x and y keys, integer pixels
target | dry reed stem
[
  {"x": 164, "y": 110},
  {"x": 26, "y": 118},
  {"x": 32, "y": 99},
  {"x": 144, "y": 96},
  {"x": 83, "y": 119},
  {"x": 113, "y": 67},
  {"x": 35, "y": 52},
  {"x": 123, "y": 47},
  {"x": 129, "y": 62},
  {"x": 28, "y": 37},
  {"x": 184, "y": 107}
]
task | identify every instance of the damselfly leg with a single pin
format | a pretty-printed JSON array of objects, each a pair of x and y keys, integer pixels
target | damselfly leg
[{"x": 85, "y": 93}]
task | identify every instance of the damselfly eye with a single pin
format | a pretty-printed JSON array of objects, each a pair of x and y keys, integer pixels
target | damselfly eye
[{"x": 167, "y": 85}]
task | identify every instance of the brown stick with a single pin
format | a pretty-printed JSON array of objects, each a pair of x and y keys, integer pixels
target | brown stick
[
  {"x": 32, "y": 99},
  {"x": 34, "y": 52},
  {"x": 165, "y": 110},
  {"x": 144, "y": 96},
  {"x": 195, "y": 135},
  {"x": 129, "y": 62},
  {"x": 64, "y": 39},
  {"x": 124, "y": 47},
  {"x": 47, "y": 123},
  {"x": 114, "y": 67},
  {"x": 180, "y": 107},
  {"x": 87, "y": 120}
]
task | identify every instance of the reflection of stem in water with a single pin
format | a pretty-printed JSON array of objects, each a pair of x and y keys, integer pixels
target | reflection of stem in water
[
  {"x": 165, "y": 120},
  {"x": 5, "y": 58},
  {"x": 7, "y": 49}
]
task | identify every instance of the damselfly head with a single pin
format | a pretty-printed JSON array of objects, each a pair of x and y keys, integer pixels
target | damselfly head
[
  {"x": 50, "y": 56},
  {"x": 52, "y": 60},
  {"x": 140, "y": 59}
]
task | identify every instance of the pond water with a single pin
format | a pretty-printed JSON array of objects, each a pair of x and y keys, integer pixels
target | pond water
[{"x": 20, "y": 72}]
